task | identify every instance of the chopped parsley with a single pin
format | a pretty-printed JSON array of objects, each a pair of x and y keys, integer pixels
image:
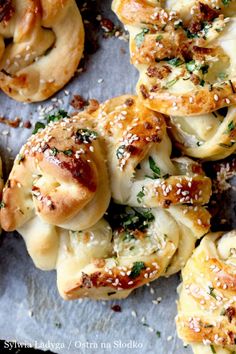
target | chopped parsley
[
  {"x": 175, "y": 62},
  {"x": 55, "y": 117},
  {"x": 171, "y": 83},
  {"x": 230, "y": 128},
  {"x": 139, "y": 38},
  {"x": 136, "y": 269},
  {"x": 213, "y": 349},
  {"x": 226, "y": 2},
  {"x": 191, "y": 66},
  {"x": 38, "y": 126},
  {"x": 129, "y": 219},
  {"x": 128, "y": 236},
  {"x": 211, "y": 292},
  {"x": 2, "y": 205},
  {"x": 155, "y": 169},
  {"x": 158, "y": 333},
  {"x": 159, "y": 37},
  {"x": 140, "y": 195},
  {"x": 54, "y": 151},
  {"x": 86, "y": 135},
  {"x": 68, "y": 152},
  {"x": 120, "y": 152}
]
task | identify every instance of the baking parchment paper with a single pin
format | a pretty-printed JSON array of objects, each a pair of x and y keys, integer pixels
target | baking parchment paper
[{"x": 31, "y": 311}]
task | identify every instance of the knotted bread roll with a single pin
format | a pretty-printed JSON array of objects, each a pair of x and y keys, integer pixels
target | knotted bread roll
[
  {"x": 184, "y": 51},
  {"x": 111, "y": 260},
  {"x": 59, "y": 175},
  {"x": 209, "y": 136},
  {"x": 58, "y": 193},
  {"x": 207, "y": 306},
  {"x": 146, "y": 241},
  {"x": 41, "y": 44},
  {"x": 139, "y": 158}
]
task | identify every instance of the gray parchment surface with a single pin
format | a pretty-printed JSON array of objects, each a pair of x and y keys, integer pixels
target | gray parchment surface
[{"x": 31, "y": 310}]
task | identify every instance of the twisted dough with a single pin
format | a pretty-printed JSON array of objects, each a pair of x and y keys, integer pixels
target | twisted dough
[
  {"x": 41, "y": 44},
  {"x": 61, "y": 176},
  {"x": 138, "y": 149},
  {"x": 185, "y": 53},
  {"x": 135, "y": 137},
  {"x": 207, "y": 305},
  {"x": 59, "y": 183},
  {"x": 104, "y": 262},
  {"x": 209, "y": 136}
]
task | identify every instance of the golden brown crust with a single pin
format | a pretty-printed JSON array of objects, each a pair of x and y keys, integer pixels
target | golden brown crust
[
  {"x": 135, "y": 261},
  {"x": 60, "y": 174},
  {"x": 44, "y": 33},
  {"x": 176, "y": 56},
  {"x": 207, "y": 307},
  {"x": 57, "y": 173},
  {"x": 137, "y": 143}
]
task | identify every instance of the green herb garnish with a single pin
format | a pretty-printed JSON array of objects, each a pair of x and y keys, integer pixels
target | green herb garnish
[
  {"x": 140, "y": 195},
  {"x": 86, "y": 135},
  {"x": 136, "y": 269},
  {"x": 139, "y": 38}
]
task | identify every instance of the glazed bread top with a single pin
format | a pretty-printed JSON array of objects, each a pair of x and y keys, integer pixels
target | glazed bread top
[
  {"x": 207, "y": 305},
  {"x": 59, "y": 190},
  {"x": 184, "y": 51},
  {"x": 139, "y": 158},
  {"x": 41, "y": 44},
  {"x": 60, "y": 174}
]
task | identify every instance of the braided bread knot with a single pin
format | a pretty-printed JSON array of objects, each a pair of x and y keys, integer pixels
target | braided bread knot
[
  {"x": 184, "y": 53},
  {"x": 41, "y": 44},
  {"x": 60, "y": 186},
  {"x": 207, "y": 305}
]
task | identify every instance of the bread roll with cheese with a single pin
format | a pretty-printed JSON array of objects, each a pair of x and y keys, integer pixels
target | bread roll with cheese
[
  {"x": 184, "y": 51},
  {"x": 207, "y": 305},
  {"x": 209, "y": 136},
  {"x": 41, "y": 44},
  {"x": 137, "y": 246},
  {"x": 59, "y": 189},
  {"x": 139, "y": 158}
]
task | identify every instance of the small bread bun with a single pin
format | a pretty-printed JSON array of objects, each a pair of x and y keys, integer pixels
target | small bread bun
[
  {"x": 61, "y": 176},
  {"x": 207, "y": 297},
  {"x": 46, "y": 47},
  {"x": 139, "y": 149},
  {"x": 184, "y": 51}
]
